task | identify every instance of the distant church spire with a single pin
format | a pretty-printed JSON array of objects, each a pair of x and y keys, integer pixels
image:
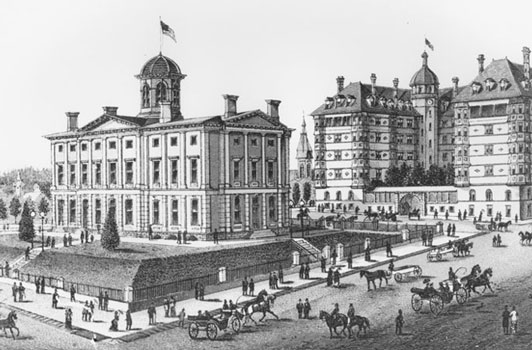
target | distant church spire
[{"x": 303, "y": 151}]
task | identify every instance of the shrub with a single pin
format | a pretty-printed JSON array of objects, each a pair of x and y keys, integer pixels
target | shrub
[
  {"x": 156, "y": 236},
  {"x": 171, "y": 237}
]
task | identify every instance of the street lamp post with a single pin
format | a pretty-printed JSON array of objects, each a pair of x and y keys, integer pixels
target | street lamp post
[
  {"x": 301, "y": 214},
  {"x": 32, "y": 237},
  {"x": 42, "y": 230}
]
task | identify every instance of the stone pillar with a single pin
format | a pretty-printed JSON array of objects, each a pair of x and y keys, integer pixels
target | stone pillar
[
  {"x": 128, "y": 294},
  {"x": 164, "y": 161},
  {"x": 246, "y": 160},
  {"x": 182, "y": 161},
  {"x": 263, "y": 167},
  {"x": 247, "y": 212},
  {"x": 264, "y": 212},
  {"x": 104, "y": 163}
]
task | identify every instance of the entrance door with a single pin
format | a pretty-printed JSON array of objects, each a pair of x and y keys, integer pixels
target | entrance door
[
  {"x": 85, "y": 213},
  {"x": 255, "y": 212},
  {"x": 295, "y": 258}
]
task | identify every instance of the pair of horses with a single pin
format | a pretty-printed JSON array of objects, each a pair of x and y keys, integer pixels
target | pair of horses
[
  {"x": 346, "y": 323},
  {"x": 477, "y": 279},
  {"x": 9, "y": 322},
  {"x": 526, "y": 237},
  {"x": 463, "y": 248}
]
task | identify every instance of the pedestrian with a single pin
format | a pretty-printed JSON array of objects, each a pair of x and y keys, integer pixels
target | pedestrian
[
  {"x": 499, "y": 240},
  {"x": 245, "y": 286},
  {"x": 399, "y": 321},
  {"x": 172, "y": 307},
  {"x": 430, "y": 238},
  {"x": 201, "y": 291},
  {"x": 196, "y": 290},
  {"x": 53, "y": 242},
  {"x": 505, "y": 320},
  {"x": 449, "y": 229},
  {"x": 349, "y": 260},
  {"x": 299, "y": 308},
  {"x": 129, "y": 320},
  {"x": 465, "y": 215},
  {"x": 6, "y": 269},
  {"x": 215, "y": 236},
  {"x": 69, "y": 240},
  {"x": 68, "y": 318},
  {"x": 281, "y": 274},
  {"x": 323, "y": 263},
  {"x": 307, "y": 271},
  {"x": 388, "y": 249},
  {"x": 336, "y": 278},
  {"x": 231, "y": 305},
  {"x": 21, "y": 292},
  {"x": 459, "y": 214},
  {"x": 100, "y": 301},
  {"x": 178, "y": 237},
  {"x": 435, "y": 213},
  {"x": 152, "y": 315},
  {"x": 302, "y": 271},
  {"x": 185, "y": 237},
  {"x": 72, "y": 293},
  {"x": 251, "y": 287},
  {"x": 166, "y": 306},
  {"x": 516, "y": 217},
  {"x": 65, "y": 240},
  {"x": 423, "y": 238},
  {"x": 85, "y": 312},
  {"x": 454, "y": 230},
  {"x": 106, "y": 301},
  {"x": 368, "y": 253},
  {"x": 330, "y": 277},
  {"x": 37, "y": 285},
  {"x": 81, "y": 237},
  {"x": 43, "y": 283},
  {"x": 27, "y": 254},
  {"x": 513, "y": 319},
  {"x": 55, "y": 299},
  {"x": 92, "y": 238},
  {"x": 306, "y": 308},
  {"x": 334, "y": 256},
  {"x": 275, "y": 281},
  {"x": 150, "y": 233},
  {"x": 447, "y": 215},
  {"x": 181, "y": 322},
  {"x": 15, "y": 291},
  {"x": 270, "y": 280},
  {"x": 91, "y": 307}
]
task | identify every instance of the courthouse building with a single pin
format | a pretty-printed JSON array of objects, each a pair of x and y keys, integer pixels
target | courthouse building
[
  {"x": 482, "y": 128},
  {"x": 227, "y": 172}
]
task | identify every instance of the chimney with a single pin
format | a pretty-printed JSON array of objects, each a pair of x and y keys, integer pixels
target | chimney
[
  {"x": 230, "y": 105},
  {"x": 395, "y": 88},
  {"x": 526, "y": 62},
  {"x": 455, "y": 85},
  {"x": 480, "y": 60},
  {"x": 272, "y": 109},
  {"x": 340, "y": 83},
  {"x": 110, "y": 110},
  {"x": 166, "y": 112},
  {"x": 72, "y": 121},
  {"x": 373, "y": 79}
]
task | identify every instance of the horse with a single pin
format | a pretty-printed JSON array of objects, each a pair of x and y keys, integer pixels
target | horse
[
  {"x": 263, "y": 305},
  {"x": 474, "y": 273},
  {"x": 334, "y": 322},
  {"x": 371, "y": 214},
  {"x": 463, "y": 247},
  {"x": 482, "y": 280},
  {"x": 372, "y": 276},
  {"x": 504, "y": 225},
  {"x": 9, "y": 322},
  {"x": 525, "y": 237},
  {"x": 360, "y": 321}
]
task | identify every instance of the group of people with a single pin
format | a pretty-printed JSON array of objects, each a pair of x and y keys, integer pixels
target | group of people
[
  {"x": 199, "y": 291},
  {"x": 229, "y": 306},
  {"x": 464, "y": 216},
  {"x": 509, "y": 319},
  {"x": 19, "y": 291},
  {"x": 88, "y": 311},
  {"x": 248, "y": 288},
  {"x": 67, "y": 240},
  {"x": 497, "y": 240},
  {"x": 40, "y": 285},
  {"x": 304, "y": 271},
  {"x": 333, "y": 277},
  {"x": 83, "y": 237},
  {"x": 273, "y": 280},
  {"x": 427, "y": 238},
  {"x": 451, "y": 229},
  {"x": 303, "y": 309},
  {"x": 103, "y": 301}
]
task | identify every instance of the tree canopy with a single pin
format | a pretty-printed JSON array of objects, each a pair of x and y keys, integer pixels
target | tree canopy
[
  {"x": 26, "y": 231},
  {"x": 417, "y": 176},
  {"x": 110, "y": 238}
]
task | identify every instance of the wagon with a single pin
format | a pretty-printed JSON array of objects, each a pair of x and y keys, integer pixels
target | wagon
[
  {"x": 212, "y": 326},
  {"x": 402, "y": 272},
  {"x": 440, "y": 254},
  {"x": 437, "y": 298}
]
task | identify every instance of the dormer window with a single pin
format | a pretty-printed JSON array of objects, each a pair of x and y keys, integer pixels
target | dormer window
[
  {"x": 370, "y": 100},
  {"x": 401, "y": 104},
  {"x": 504, "y": 84},
  {"x": 525, "y": 83},
  {"x": 391, "y": 103},
  {"x": 351, "y": 100},
  {"x": 477, "y": 87},
  {"x": 328, "y": 102},
  {"x": 340, "y": 100},
  {"x": 409, "y": 105},
  {"x": 490, "y": 84},
  {"x": 382, "y": 101}
]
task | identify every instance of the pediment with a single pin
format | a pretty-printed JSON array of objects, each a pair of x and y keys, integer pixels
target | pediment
[
  {"x": 113, "y": 124},
  {"x": 106, "y": 122},
  {"x": 257, "y": 119}
]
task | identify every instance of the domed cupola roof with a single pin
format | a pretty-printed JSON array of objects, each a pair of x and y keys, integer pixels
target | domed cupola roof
[
  {"x": 160, "y": 67},
  {"x": 424, "y": 76}
]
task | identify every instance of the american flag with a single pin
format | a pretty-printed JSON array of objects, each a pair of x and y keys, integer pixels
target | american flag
[{"x": 165, "y": 28}]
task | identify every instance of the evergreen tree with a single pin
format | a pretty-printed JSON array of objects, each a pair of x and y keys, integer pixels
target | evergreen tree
[
  {"x": 404, "y": 174},
  {"x": 44, "y": 206},
  {"x": 393, "y": 177},
  {"x": 296, "y": 194},
  {"x": 14, "y": 207},
  {"x": 3, "y": 210},
  {"x": 110, "y": 237},
  {"x": 449, "y": 174},
  {"x": 307, "y": 191},
  {"x": 26, "y": 231},
  {"x": 417, "y": 176}
]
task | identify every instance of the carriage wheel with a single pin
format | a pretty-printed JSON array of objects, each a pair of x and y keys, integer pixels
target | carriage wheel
[
  {"x": 398, "y": 277},
  {"x": 417, "y": 302},
  {"x": 438, "y": 257},
  {"x": 418, "y": 271},
  {"x": 235, "y": 324},
  {"x": 461, "y": 295},
  {"x": 193, "y": 330},
  {"x": 212, "y": 331},
  {"x": 436, "y": 304}
]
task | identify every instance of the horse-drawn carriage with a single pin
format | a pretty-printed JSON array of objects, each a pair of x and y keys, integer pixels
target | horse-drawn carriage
[
  {"x": 439, "y": 254},
  {"x": 437, "y": 298},
  {"x": 405, "y": 271},
  {"x": 211, "y": 325}
]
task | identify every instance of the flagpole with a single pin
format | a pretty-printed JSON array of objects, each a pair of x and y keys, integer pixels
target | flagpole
[{"x": 160, "y": 37}]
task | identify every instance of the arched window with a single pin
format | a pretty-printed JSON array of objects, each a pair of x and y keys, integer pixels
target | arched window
[
  {"x": 145, "y": 96},
  {"x": 271, "y": 208},
  {"x": 326, "y": 196},
  {"x": 472, "y": 196},
  {"x": 301, "y": 171},
  {"x": 338, "y": 196},
  {"x": 351, "y": 196},
  {"x": 508, "y": 195},
  {"x": 430, "y": 126},
  {"x": 161, "y": 92},
  {"x": 175, "y": 94},
  {"x": 489, "y": 195},
  {"x": 308, "y": 170}
]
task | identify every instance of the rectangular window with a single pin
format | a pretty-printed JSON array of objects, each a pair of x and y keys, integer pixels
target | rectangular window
[
  {"x": 97, "y": 173},
  {"x": 489, "y": 170},
  {"x": 84, "y": 173},
  {"x": 194, "y": 171},
  {"x": 72, "y": 174},
  {"x": 112, "y": 144},
  {"x": 97, "y": 146},
  {"x": 271, "y": 142},
  {"x": 112, "y": 173},
  {"x": 254, "y": 170},
  {"x": 193, "y": 140},
  {"x": 399, "y": 138},
  {"x": 489, "y": 210},
  {"x": 271, "y": 209},
  {"x": 236, "y": 141},
  {"x": 156, "y": 171},
  {"x": 156, "y": 212},
  {"x": 489, "y": 130},
  {"x": 98, "y": 211},
  {"x": 72, "y": 211},
  {"x": 129, "y": 211},
  {"x": 409, "y": 123},
  {"x": 129, "y": 172},
  {"x": 237, "y": 211},
  {"x": 270, "y": 171},
  {"x": 129, "y": 144},
  {"x": 60, "y": 175},
  {"x": 508, "y": 211},
  {"x": 409, "y": 156},
  {"x": 400, "y": 156},
  {"x": 254, "y": 142},
  {"x": 173, "y": 141},
  {"x": 72, "y": 148},
  {"x": 173, "y": 170},
  {"x": 60, "y": 211},
  {"x": 489, "y": 149},
  {"x": 83, "y": 146},
  {"x": 194, "y": 220},
  {"x": 409, "y": 139},
  {"x": 236, "y": 170},
  {"x": 60, "y": 148},
  {"x": 155, "y": 142},
  {"x": 175, "y": 212}
]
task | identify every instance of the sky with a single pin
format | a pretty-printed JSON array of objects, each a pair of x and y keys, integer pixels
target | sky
[{"x": 59, "y": 56}]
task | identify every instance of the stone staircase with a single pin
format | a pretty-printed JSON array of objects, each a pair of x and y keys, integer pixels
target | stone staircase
[
  {"x": 306, "y": 248},
  {"x": 262, "y": 234}
]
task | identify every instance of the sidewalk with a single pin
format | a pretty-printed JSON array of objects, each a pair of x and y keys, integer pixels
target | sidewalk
[{"x": 41, "y": 304}]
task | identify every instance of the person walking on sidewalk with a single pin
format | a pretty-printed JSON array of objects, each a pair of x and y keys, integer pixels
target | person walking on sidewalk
[
  {"x": 43, "y": 284},
  {"x": 275, "y": 281},
  {"x": 106, "y": 301},
  {"x": 399, "y": 322},
  {"x": 330, "y": 277},
  {"x": 68, "y": 318},
  {"x": 302, "y": 271},
  {"x": 129, "y": 320},
  {"x": 505, "y": 320},
  {"x": 178, "y": 237},
  {"x": 55, "y": 299},
  {"x": 166, "y": 307},
  {"x": 70, "y": 240},
  {"x": 15, "y": 291},
  {"x": 152, "y": 315},
  {"x": 449, "y": 229},
  {"x": 349, "y": 260},
  {"x": 307, "y": 271},
  {"x": 281, "y": 274},
  {"x": 172, "y": 307},
  {"x": 459, "y": 215},
  {"x": 201, "y": 291},
  {"x": 27, "y": 254},
  {"x": 100, "y": 301},
  {"x": 454, "y": 230},
  {"x": 323, "y": 263},
  {"x": 251, "y": 287},
  {"x": 388, "y": 249},
  {"x": 53, "y": 242},
  {"x": 336, "y": 278},
  {"x": 196, "y": 290},
  {"x": 299, "y": 308},
  {"x": 245, "y": 286},
  {"x": 334, "y": 256},
  {"x": 21, "y": 292},
  {"x": 150, "y": 233},
  {"x": 270, "y": 280},
  {"x": 72, "y": 294},
  {"x": 306, "y": 309},
  {"x": 37, "y": 285},
  {"x": 65, "y": 240},
  {"x": 423, "y": 238},
  {"x": 430, "y": 238},
  {"x": 181, "y": 322}
]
